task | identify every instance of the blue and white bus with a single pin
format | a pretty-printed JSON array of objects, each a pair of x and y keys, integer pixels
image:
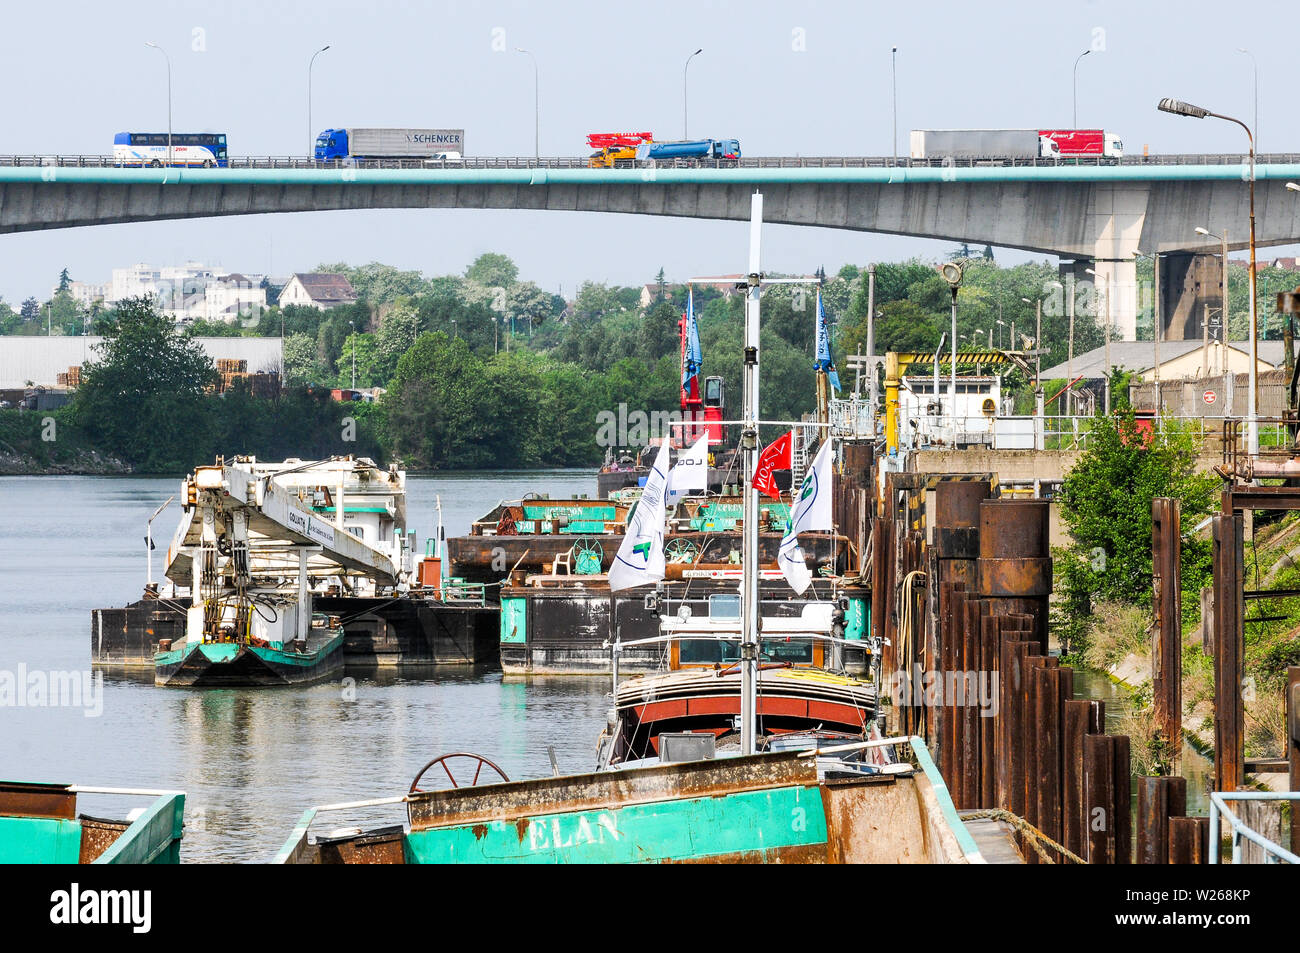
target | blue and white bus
[{"x": 203, "y": 149}]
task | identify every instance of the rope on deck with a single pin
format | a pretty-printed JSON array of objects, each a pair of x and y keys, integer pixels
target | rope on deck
[{"x": 1032, "y": 835}]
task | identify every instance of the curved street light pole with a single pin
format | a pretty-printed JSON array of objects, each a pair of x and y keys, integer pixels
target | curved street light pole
[
  {"x": 893, "y": 82},
  {"x": 311, "y": 138},
  {"x": 537, "y": 113},
  {"x": 169, "y": 97},
  {"x": 1076, "y": 86},
  {"x": 1199, "y": 112},
  {"x": 1255, "y": 63},
  {"x": 685, "y": 114}
]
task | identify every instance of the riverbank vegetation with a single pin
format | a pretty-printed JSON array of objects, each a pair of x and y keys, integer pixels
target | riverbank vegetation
[
  {"x": 485, "y": 369},
  {"x": 1103, "y": 613}
]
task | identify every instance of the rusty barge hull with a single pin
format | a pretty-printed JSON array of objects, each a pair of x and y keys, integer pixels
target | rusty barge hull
[
  {"x": 487, "y": 559},
  {"x": 610, "y": 481},
  {"x": 562, "y": 629},
  {"x": 379, "y": 633},
  {"x": 725, "y": 811}
]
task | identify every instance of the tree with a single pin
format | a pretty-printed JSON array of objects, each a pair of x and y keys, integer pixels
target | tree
[
  {"x": 300, "y": 365},
  {"x": 203, "y": 328},
  {"x": 377, "y": 283},
  {"x": 659, "y": 334},
  {"x": 65, "y": 314},
  {"x": 493, "y": 270},
  {"x": 527, "y": 302},
  {"x": 902, "y": 326},
  {"x": 30, "y": 309},
  {"x": 436, "y": 405},
  {"x": 356, "y": 362},
  {"x": 397, "y": 332},
  {"x": 143, "y": 398},
  {"x": 65, "y": 281},
  {"x": 594, "y": 300},
  {"x": 661, "y": 286},
  {"x": 1106, "y": 505}
]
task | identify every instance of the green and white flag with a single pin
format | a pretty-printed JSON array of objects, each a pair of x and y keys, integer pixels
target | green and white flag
[
  {"x": 811, "y": 511},
  {"x": 640, "y": 558}
]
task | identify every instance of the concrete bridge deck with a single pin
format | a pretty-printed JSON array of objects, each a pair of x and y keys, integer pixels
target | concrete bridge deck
[{"x": 1097, "y": 214}]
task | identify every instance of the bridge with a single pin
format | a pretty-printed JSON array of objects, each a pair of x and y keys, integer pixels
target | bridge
[{"x": 1095, "y": 215}]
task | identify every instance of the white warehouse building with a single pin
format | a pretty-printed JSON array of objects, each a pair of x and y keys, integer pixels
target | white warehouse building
[{"x": 40, "y": 359}]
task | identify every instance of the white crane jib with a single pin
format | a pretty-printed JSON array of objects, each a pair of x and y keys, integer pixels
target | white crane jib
[{"x": 281, "y": 524}]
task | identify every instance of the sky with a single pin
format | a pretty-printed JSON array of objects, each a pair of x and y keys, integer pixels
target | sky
[{"x": 812, "y": 78}]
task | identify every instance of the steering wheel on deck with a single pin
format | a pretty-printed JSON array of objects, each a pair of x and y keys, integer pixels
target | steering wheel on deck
[{"x": 475, "y": 761}]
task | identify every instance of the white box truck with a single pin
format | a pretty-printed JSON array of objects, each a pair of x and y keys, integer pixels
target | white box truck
[
  {"x": 354, "y": 143},
  {"x": 983, "y": 144}
]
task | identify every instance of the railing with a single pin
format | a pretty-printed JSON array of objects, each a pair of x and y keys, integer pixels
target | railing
[
  {"x": 1239, "y": 831},
  {"x": 464, "y": 593},
  {"x": 766, "y": 162},
  {"x": 1276, "y": 440}
]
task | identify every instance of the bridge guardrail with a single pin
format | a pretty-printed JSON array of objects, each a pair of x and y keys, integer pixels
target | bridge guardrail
[{"x": 761, "y": 162}]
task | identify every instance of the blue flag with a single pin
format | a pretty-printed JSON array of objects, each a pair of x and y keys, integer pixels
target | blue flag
[
  {"x": 824, "y": 345},
  {"x": 694, "y": 359}
]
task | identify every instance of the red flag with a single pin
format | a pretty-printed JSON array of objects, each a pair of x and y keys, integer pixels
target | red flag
[{"x": 776, "y": 456}]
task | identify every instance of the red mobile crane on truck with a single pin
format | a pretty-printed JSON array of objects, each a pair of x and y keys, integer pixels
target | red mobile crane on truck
[{"x": 615, "y": 148}]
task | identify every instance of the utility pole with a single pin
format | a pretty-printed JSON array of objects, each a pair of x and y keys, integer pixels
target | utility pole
[
  {"x": 871, "y": 344},
  {"x": 1069, "y": 354},
  {"x": 537, "y": 107},
  {"x": 893, "y": 73},
  {"x": 1076, "y": 87},
  {"x": 169, "y": 98},
  {"x": 685, "y": 113},
  {"x": 311, "y": 136}
]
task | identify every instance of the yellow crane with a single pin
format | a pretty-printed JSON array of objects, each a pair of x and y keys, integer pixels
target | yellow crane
[{"x": 897, "y": 364}]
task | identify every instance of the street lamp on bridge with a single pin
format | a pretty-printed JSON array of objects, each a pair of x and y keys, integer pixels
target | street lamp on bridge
[
  {"x": 169, "y": 97},
  {"x": 1076, "y": 87},
  {"x": 685, "y": 114},
  {"x": 1255, "y": 64},
  {"x": 1198, "y": 112},
  {"x": 537, "y": 108},
  {"x": 311, "y": 137}
]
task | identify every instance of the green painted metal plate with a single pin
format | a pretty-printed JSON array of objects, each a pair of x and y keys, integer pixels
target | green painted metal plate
[
  {"x": 856, "y": 620},
  {"x": 749, "y": 822},
  {"x": 39, "y": 840},
  {"x": 514, "y": 619}
]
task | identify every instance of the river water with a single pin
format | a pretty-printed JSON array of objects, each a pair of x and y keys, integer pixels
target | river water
[
  {"x": 249, "y": 761},
  {"x": 252, "y": 761}
]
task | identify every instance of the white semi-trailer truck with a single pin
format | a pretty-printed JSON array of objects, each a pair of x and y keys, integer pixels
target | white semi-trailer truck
[
  {"x": 334, "y": 145},
  {"x": 983, "y": 144}
]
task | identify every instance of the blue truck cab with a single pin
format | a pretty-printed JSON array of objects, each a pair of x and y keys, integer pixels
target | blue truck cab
[{"x": 332, "y": 144}]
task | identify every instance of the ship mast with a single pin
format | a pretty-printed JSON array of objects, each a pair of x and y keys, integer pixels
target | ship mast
[{"x": 749, "y": 618}]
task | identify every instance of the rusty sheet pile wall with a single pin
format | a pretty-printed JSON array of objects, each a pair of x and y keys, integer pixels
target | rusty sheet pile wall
[{"x": 966, "y": 663}]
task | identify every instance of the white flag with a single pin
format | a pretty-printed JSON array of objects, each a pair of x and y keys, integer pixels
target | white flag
[
  {"x": 811, "y": 511},
  {"x": 640, "y": 559},
  {"x": 690, "y": 472}
]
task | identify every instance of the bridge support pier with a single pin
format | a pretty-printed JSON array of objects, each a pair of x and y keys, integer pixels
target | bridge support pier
[{"x": 1119, "y": 283}]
